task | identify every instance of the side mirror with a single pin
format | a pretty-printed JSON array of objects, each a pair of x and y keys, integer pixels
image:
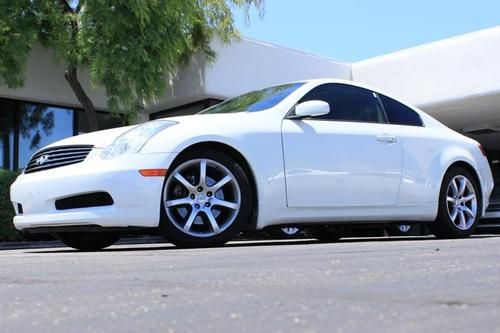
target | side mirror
[{"x": 311, "y": 109}]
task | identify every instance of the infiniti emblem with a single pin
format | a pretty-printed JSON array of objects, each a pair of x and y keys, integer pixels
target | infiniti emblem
[{"x": 42, "y": 159}]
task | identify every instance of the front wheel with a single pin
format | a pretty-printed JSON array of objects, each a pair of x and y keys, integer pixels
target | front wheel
[
  {"x": 459, "y": 205},
  {"x": 206, "y": 200},
  {"x": 88, "y": 241}
]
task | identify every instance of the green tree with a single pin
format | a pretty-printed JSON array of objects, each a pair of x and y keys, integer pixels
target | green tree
[{"x": 130, "y": 47}]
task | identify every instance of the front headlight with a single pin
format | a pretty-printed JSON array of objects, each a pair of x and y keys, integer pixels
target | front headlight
[{"x": 133, "y": 140}]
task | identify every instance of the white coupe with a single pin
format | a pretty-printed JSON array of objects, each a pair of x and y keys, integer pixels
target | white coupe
[{"x": 319, "y": 154}]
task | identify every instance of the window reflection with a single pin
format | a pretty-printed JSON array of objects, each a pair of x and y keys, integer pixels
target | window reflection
[
  {"x": 104, "y": 120},
  {"x": 26, "y": 127},
  {"x": 187, "y": 109},
  {"x": 40, "y": 125}
]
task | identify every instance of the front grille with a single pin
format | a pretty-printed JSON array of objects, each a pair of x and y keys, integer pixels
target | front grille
[
  {"x": 55, "y": 157},
  {"x": 95, "y": 199}
]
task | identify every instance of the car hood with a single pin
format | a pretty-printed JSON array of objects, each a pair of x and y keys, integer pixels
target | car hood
[
  {"x": 101, "y": 139},
  {"x": 197, "y": 118},
  {"x": 98, "y": 139}
]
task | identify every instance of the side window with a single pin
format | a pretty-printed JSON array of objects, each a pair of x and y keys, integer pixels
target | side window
[
  {"x": 400, "y": 114},
  {"x": 348, "y": 103}
]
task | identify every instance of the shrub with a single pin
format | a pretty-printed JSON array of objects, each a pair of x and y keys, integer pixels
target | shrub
[{"x": 7, "y": 230}]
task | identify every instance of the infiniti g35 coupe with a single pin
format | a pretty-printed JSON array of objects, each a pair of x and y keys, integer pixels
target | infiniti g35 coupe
[{"x": 319, "y": 153}]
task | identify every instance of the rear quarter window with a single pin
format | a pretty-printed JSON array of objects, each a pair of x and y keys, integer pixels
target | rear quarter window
[{"x": 400, "y": 114}]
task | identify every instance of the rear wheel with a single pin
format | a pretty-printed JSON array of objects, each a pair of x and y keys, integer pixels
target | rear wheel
[
  {"x": 289, "y": 232},
  {"x": 401, "y": 229},
  {"x": 459, "y": 205},
  {"x": 206, "y": 200},
  {"x": 88, "y": 241}
]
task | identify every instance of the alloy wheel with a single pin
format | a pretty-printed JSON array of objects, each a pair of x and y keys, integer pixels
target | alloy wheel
[
  {"x": 202, "y": 198},
  {"x": 461, "y": 201},
  {"x": 404, "y": 227},
  {"x": 290, "y": 231}
]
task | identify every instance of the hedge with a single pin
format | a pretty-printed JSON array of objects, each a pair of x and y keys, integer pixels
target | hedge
[{"x": 7, "y": 230}]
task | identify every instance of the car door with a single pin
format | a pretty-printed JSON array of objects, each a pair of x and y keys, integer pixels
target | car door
[
  {"x": 348, "y": 157},
  {"x": 421, "y": 150}
]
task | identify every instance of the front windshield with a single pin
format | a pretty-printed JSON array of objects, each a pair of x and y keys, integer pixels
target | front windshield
[{"x": 256, "y": 100}]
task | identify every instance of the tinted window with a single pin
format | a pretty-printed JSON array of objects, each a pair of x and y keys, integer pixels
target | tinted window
[
  {"x": 256, "y": 100},
  {"x": 348, "y": 103},
  {"x": 400, "y": 114}
]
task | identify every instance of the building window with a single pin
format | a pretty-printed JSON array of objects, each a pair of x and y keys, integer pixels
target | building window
[
  {"x": 6, "y": 136},
  {"x": 25, "y": 127},
  {"x": 105, "y": 120},
  {"x": 185, "y": 110},
  {"x": 40, "y": 125}
]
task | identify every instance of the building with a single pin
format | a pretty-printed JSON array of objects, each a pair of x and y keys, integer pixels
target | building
[{"x": 456, "y": 80}]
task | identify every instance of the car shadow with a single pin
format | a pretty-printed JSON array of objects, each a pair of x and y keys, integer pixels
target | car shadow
[
  {"x": 255, "y": 243},
  {"x": 168, "y": 246}
]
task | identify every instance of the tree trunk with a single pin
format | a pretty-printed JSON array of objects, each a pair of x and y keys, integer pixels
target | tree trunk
[{"x": 84, "y": 100}]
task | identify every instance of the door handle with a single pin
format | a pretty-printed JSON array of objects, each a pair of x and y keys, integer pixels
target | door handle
[{"x": 387, "y": 138}]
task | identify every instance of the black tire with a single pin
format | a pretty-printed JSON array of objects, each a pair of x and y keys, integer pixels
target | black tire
[
  {"x": 444, "y": 226},
  {"x": 88, "y": 241},
  {"x": 174, "y": 234},
  {"x": 280, "y": 233},
  {"x": 326, "y": 233}
]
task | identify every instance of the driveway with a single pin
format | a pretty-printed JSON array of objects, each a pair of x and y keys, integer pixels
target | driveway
[{"x": 379, "y": 284}]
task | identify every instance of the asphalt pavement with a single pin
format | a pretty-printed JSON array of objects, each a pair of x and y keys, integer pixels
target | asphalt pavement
[{"x": 355, "y": 285}]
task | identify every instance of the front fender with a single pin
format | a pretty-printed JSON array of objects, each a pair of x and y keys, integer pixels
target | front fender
[{"x": 257, "y": 139}]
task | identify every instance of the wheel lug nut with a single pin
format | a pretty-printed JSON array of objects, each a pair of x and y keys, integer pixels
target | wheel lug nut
[
  {"x": 209, "y": 194},
  {"x": 192, "y": 196},
  {"x": 200, "y": 188},
  {"x": 197, "y": 206},
  {"x": 207, "y": 204}
]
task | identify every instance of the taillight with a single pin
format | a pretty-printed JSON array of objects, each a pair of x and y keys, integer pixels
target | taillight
[{"x": 482, "y": 150}]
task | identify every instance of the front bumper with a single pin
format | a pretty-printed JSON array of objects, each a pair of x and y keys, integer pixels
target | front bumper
[{"x": 136, "y": 198}]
